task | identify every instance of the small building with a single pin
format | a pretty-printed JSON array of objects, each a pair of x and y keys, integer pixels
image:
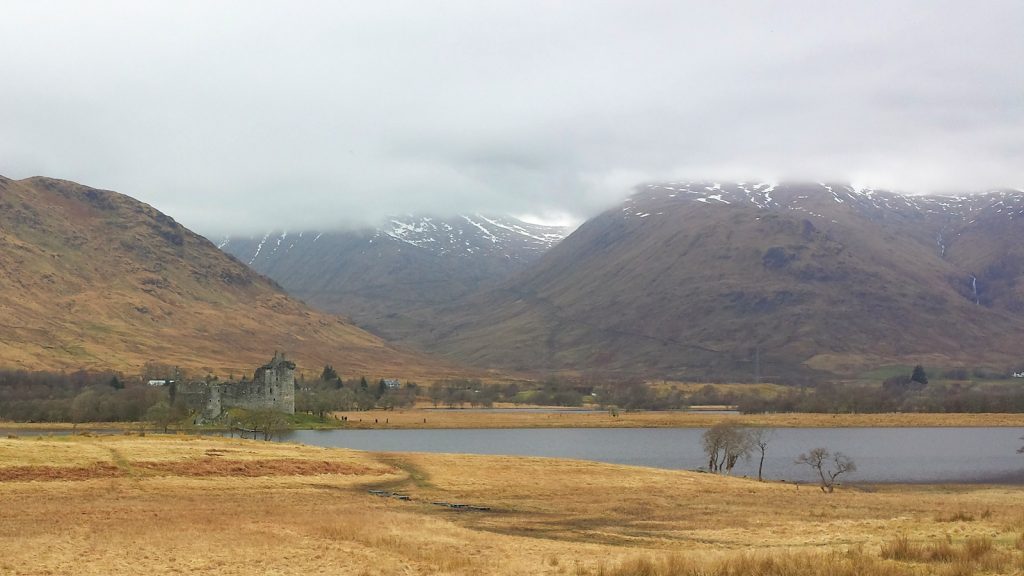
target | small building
[
  {"x": 160, "y": 382},
  {"x": 392, "y": 384}
]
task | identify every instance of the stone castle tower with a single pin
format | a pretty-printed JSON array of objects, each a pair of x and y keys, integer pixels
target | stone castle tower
[
  {"x": 274, "y": 384},
  {"x": 272, "y": 388}
]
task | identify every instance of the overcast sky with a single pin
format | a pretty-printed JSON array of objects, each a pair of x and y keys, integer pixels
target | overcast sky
[{"x": 244, "y": 116}]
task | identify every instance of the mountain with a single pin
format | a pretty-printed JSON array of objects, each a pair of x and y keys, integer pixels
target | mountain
[
  {"x": 94, "y": 279},
  {"x": 718, "y": 280},
  {"x": 393, "y": 279}
]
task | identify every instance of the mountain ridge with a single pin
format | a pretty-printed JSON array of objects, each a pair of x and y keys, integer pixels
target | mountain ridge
[
  {"x": 93, "y": 279},
  {"x": 695, "y": 279}
]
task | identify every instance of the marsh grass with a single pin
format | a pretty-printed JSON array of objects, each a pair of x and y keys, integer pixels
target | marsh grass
[
  {"x": 976, "y": 554},
  {"x": 853, "y": 563},
  {"x": 189, "y": 505},
  {"x": 899, "y": 557},
  {"x": 958, "y": 516}
]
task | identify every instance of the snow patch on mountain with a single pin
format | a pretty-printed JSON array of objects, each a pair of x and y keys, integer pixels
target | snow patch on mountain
[
  {"x": 808, "y": 198},
  {"x": 467, "y": 235}
]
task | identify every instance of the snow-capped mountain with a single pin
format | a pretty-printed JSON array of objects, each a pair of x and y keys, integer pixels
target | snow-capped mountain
[
  {"x": 688, "y": 279},
  {"x": 386, "y": 278},
  {"x": 468, "y": 236},
  {"x": 475, "y": 234},
  {"x": 809, "y": 198}
]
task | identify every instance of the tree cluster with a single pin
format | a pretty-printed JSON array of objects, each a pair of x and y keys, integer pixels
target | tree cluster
[
  {"x": 726, "y": 443},
  {"x": 906, "y": 383},
  {"x": 558, "y": 392},
  {"x": 638, "y": 395},
  {"x": 903, "y": 396},
  {"x": 459, "y": 392},
  {"x": 74, "y": 397},
  {"x": 162, "y": 414},
  {"x": 330, "y": 393},
  {"x": 456, "y": 393},
  {"x": 264, "y": 423}
]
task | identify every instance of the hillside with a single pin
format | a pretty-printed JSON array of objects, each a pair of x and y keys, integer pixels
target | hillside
[
  {"x": 94, "y": 279},
  {"x": 392, "y": 279},
  {"x": 727, "y": 280}
]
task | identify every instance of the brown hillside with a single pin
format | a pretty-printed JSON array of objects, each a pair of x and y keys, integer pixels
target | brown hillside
[
  {"x": 94, "y": 279},
  {"x": 691, "y": 279}
]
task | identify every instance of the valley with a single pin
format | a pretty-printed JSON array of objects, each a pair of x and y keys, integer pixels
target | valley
[
  {"x": 396, "y": 280},
  {"x": 690, "y": 281},
  {"x": 680, "y": 285},
  {"x": 652, "y": 288}
]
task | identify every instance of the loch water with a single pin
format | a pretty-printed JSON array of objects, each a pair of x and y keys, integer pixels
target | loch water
[{"x": 882, "y": 455}]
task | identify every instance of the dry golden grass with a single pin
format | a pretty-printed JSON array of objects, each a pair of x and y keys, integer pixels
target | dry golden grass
[
  {"x": 172, "y": 506},
  {"x": 764, "y": 389},
  {"x": 419, "y": 418},
  {"x": 853, "y": 562}
]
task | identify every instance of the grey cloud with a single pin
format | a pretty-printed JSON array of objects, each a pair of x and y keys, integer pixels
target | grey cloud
[{"x": 241, "y": 116}]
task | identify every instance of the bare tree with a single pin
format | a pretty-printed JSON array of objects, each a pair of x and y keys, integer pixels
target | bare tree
[
  {"x": 828, "y": 465},
  {"x": 268, "y": 422},
  {"x": 712, "y": 440},
  {"x": 725, "y": 443},
  {"x": 161, "y": 415},
  {"x": 759, "y": 439}
]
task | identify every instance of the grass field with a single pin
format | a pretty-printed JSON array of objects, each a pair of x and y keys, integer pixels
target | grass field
[
  {"x": 424, "y": 418},
  {"x": 763, "y": 389},
  {"x": 176, "y": 504},
  {"x": 419, "y": 418}
]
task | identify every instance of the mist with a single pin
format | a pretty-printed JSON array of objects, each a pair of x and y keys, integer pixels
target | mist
[{"x": 238, "y": 117}]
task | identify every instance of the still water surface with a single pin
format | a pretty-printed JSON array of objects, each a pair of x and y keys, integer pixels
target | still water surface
[{"x": 912, "y": 455}]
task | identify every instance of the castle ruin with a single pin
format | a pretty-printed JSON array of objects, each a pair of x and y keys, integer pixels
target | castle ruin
[{"x": 272, "y": 388}]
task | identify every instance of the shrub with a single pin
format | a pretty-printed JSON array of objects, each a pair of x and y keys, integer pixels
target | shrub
[
  {"x": 976, "y": 547},
  {"x": 901, "y": 548}
]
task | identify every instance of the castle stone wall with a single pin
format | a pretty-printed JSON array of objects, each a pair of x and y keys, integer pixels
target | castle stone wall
[{"x": 272, "y": 388}]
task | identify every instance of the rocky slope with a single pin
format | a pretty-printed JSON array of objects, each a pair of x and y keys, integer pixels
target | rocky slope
[{"x": 94, "y": 279}]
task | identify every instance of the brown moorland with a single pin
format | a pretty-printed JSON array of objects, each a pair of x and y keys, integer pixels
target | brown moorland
[
  {"x": 802, "y": 280},
  {"x": 423, "y": 418},
  {"x": 309, "y": 511},
  {"x": 93, "y": 279}
]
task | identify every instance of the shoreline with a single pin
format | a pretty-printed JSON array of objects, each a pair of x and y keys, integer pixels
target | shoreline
[
  {"x": 481, "y": 419},
  {"x": 853, "y": 485},
  {"x": 421, "y": 419}
]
